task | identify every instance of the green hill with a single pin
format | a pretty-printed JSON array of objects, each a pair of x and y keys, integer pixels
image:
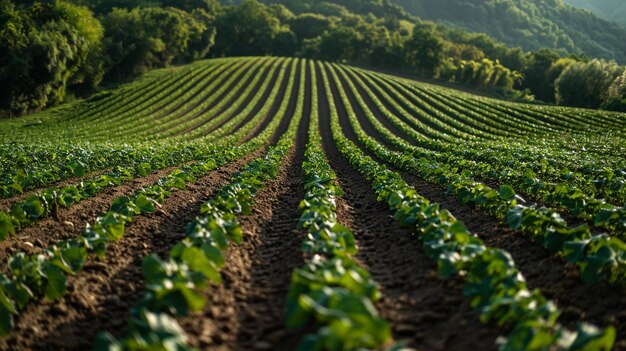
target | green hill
[
  {"x": 531, "y": 24},
  {"x": 614, "y": 10}
]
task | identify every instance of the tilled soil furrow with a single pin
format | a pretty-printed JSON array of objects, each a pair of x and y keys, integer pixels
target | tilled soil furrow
[
  {"x": 247, "y": 311},
  {"x": 101, "y": 296},
  {"x": 71, "y": 220},
  {"x": 602, "y": 304},
  {"x": 267, "y": 119},
  {"x": 557, "y": 280},
  {"x": 291, "y": 108},
  {"x": 428, "y": 312}
]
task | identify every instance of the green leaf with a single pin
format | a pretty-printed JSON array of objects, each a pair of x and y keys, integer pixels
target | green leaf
[
  {"x": 113, "y": 225},
  {"x": 591, "y": 338},
  {"x": 78, "y": 168},
  {"x": 6, "y": 226},
  {"x": 506, "y": 193},
  {"x": 75, "y": 257},
  {"x": 6, "y": 321},
  {"x": 198, "y": 262},
  {"x": 152, "y": 267},
  {"x": 106, "y": 342},
  {"x": 34, "y": 208},
  {"x": 515, "y": 217},
  {"x": 125, "y": 206},
  {"x": 214, "y": 254},
  {"x": 145, "y": 204},
  {"x": 56, "y": 285}
]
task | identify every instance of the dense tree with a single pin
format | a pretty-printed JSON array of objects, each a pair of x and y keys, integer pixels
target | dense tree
[
  {"x": 529, "y": 24},
  {"x": 309, "y": 25},
  {"x": 247, "y": 29},
  {"x": 145, "y": 38},
  {"x": 209, "y": 6},
  {"x": 424, "y": 50},
  {"x": 586, "y": 84},
  {"x": 44, "y": 48},
  {"x": 536, "y": 71}
]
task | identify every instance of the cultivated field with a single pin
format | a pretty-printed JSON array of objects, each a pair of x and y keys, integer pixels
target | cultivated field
[{"x": 275, "y": 203}]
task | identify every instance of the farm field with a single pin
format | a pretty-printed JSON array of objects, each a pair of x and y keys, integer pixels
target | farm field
[{"x": 278, "y": 204}]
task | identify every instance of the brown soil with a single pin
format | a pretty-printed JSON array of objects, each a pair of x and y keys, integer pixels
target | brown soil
[
  {"x": 101, "y": 296},
  {"x": 601, "y": 304},
  {"x": 428, "y": 312},
  {"x": 247, "y": 311},
  {"x": 71, "y": 220}
]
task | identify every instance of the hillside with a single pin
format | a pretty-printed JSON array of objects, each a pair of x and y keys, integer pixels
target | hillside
[
  {"x": 614, "y": 10},
  {"x": 530, "y": 24},
  {"x": 273, "y": 203}
]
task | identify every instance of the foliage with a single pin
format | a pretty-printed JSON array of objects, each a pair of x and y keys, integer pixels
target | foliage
[
  {"x": 142, "y": 39},
  {"x": 586, "y": 84},
  {"x": 530, "y": 24},
  {"x": 248, "y": 29},
  {"x": 44, "y": 48}
]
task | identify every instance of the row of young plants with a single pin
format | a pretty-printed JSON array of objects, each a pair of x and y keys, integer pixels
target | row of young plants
[
  {"x": 175, "y": 284},
  {"x": 138, "y": 122},
  {"x": 215, "y": 98},
  {"x": 76, "y": 121},
  {"x": 153, "y": 106},
  {"x": 124, "y": 113},
  {"x": 512, "y": 119},
  {"x": 563, "y": 195},
  {"x": 552, "y": 115},
  {"x": 492, "y": 282},
  {"x": 208, "y": 107},
  {"x": 606, "y": 180},
  {"x": 597, "y": 256},
  {"x": 257, "y": 110},
  {"x": 248, "y": 87},
  {"x": 541, "y": 117},
  {"x": 493, "y": 163},
  {"x": 150, "y": 126},
  {"x": 330, "y": 288},
  {"x": 46, "y": 203},
  {"x": 43, "y": 275},
  {"x": 28, "y": 167}
]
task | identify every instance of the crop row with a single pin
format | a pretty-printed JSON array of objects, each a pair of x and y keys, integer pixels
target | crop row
[{"x": 492, "y": 283}]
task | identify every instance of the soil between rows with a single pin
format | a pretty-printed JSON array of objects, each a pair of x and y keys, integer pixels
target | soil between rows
[
  {"x": 228, "y": 91},
  {"x": 428, "y": 312},
  {"x": 100, "y": 297},
  {"x": 273, "y": 108},
  {"x": 237, "y": 95},
  {"x": 39, "y": 236},
  {"x": 247, "y": 311},
  {"x": 602, "y": 304}
]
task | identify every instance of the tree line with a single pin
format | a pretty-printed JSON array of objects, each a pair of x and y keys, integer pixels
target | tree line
[{"x": 53, "y": 50}]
